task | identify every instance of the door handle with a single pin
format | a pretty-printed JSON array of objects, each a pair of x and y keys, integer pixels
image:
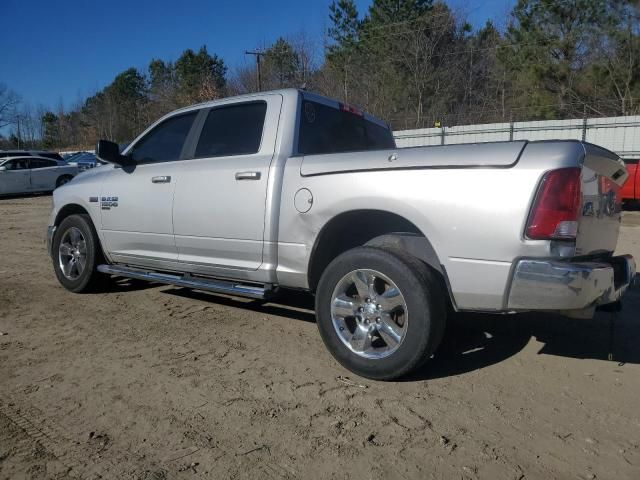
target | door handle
[
  {"x": 247, "y": 175},
  {"x": 161, "y": 179}
]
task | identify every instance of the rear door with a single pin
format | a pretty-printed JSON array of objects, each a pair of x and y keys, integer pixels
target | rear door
[
  {"x": 220, "y": 197},
  {"x": 16, "y": 176},
  {"x": 44, "y": 173},
  {"x": 136, "y": 202}
]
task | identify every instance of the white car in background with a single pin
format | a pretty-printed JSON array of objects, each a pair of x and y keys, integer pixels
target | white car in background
[{"x": 29, "y": 174}]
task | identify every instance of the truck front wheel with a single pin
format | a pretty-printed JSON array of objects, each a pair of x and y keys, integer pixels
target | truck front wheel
[
  {"x": 380, "y": 312},
  {"x": 76, "y": 254}
]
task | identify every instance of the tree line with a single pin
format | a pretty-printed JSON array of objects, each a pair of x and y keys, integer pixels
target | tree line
[{"x": 414, "y": 63}]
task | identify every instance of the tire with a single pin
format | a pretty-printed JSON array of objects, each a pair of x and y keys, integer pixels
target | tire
[
  {"x": 395, "y": 343},
  {"x": 84, "y": 277},
  {"x": 62, "y": 180}
]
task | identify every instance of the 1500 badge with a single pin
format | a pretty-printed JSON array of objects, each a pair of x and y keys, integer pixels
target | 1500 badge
[{"x": 107, "y": 202}]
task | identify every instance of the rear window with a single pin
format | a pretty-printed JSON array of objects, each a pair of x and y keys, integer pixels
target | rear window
[{"x": 325, "y": 129}]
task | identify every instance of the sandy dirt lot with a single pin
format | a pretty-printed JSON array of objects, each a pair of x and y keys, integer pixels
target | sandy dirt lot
[{"x": 154, "y": 382}]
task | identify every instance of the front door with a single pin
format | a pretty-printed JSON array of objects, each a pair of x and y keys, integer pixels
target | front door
[
  {"x": 136, "y": 202},
  {"x": 220, "y": 197},
  {"x": 16, "y": 176}
]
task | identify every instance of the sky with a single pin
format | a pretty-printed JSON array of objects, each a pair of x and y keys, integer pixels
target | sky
[{"x": 63, "y": 51}]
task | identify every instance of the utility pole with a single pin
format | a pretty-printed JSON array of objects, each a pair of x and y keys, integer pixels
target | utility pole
[
  {"x": 19, "y": 135},
  {"x": 258, "y": 55}
]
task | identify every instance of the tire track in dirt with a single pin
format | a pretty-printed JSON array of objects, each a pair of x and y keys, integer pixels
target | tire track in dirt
[{"x": 53, "y": 439}]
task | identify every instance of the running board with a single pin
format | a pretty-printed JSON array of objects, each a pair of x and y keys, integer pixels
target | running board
[{"x": 188, "y": 281}]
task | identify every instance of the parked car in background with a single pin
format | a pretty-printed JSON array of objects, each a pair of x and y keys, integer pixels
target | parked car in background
[
  {"x": 28, "y": 174},
  {"x": 630, "y": 191},
  {"x": 13, "y": 153},
  {"x": 31, "y": 153},
  {"x": 46, "y": 154},
  {"x": 84, "y": 160}
]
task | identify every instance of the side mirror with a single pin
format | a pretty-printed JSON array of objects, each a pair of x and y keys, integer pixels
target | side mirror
[
  {"x": 110, "y": 152},
  {"x": 3, "y": 168}
]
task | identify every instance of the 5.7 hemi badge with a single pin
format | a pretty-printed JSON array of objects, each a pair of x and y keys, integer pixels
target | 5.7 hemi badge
[{"x": 107, "y": 202}]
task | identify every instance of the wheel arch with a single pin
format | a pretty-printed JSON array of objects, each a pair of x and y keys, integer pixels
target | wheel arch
[
  {"x": 376, "y": 228},
  {"x": 68, "y": 210},
  {"x": 77, "y": 209}
]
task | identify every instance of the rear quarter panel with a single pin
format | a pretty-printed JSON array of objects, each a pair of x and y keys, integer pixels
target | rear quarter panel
[{"x": 473, "y": 217}]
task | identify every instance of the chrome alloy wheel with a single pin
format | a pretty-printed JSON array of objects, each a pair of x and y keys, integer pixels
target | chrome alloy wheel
[
  {"x": 72, "y": 253},
  {"x": 369, "y": 313}
]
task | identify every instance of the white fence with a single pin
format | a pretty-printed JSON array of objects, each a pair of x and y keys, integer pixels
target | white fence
[{"x": 619, "y": 134}]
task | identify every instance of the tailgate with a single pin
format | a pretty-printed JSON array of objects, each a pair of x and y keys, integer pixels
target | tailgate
[{"x": 603, "y": 173}]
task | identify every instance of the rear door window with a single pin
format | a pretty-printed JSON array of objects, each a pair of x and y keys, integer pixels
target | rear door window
[
  {"x": 164, "y": 143},
  {"x": 233, "y": 130},
  {"x": 41, "y": 163}
]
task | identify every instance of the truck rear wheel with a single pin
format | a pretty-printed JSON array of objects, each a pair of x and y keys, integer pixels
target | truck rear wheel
[
  {"x": 380, "y": 312},
  {"x": 76, "y": 254}
]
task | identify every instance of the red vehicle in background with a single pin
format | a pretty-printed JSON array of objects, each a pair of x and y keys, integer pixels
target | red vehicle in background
[{"x": 630, "y": 191}]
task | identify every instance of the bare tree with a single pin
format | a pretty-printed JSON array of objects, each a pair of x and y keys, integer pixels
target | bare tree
[
  {"x": 9, "y": 101},
  {"x": 424, "y": 56}
]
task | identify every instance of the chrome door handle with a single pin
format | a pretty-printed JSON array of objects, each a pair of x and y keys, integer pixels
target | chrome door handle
[
  {"x": 247, "y": 175},
  {"x": 161, "y": 179}
]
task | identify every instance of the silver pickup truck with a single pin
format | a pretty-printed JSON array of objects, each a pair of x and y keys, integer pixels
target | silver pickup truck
[{"x": 291, "y": 190}]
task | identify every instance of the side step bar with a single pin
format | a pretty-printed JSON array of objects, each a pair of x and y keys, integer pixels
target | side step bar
[{"x": 188, "y": 281}]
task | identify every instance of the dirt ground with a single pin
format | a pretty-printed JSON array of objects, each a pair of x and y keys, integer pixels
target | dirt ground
[{"x": 154, "y": 382}]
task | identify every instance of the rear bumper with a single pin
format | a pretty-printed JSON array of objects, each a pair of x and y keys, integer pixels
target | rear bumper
[{"x": 539, "y": 284}]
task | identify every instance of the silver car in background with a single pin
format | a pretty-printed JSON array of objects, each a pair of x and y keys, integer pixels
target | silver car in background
[{"x": 29, "y": 174}]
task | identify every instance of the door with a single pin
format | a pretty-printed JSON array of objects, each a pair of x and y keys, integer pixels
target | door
[
  {"x": 15, "y": 178},
  {"x": 219, "y": 206},
  {"x": 44, "y": 174},
  {"x": 136, "y": 202}
]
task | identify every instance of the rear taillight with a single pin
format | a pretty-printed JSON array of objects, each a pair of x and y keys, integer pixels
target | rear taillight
[{"x": 554, "y": 215}]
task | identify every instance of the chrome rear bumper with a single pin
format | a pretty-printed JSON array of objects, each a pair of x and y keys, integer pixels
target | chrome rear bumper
[{"x": 539, "y": 284}]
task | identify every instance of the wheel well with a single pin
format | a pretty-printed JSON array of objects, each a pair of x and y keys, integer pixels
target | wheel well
[
  {"x": 359, "y": 227},
  {"x": 67, "y": 210}
]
